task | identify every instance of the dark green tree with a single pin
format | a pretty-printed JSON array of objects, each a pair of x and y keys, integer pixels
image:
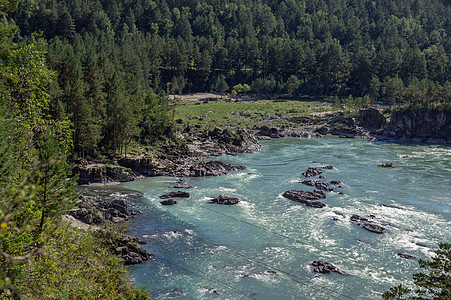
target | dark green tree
[{"x": 55, "y": 193}]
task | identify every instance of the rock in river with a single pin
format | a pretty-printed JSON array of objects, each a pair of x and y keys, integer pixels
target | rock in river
[
  {"x": 312, "y": 172},
  {"x": 319, "y": 185},
  {"x": 406, "y": 255},
  {"x": 306, "y": 198},
  {"x": 227, "y": 200},
  {"x": 325, "y": 267},
  {"x": 168, "y": 202},
  {"x": 178, "y": 194},
  {"x": 367, "y": 224}
]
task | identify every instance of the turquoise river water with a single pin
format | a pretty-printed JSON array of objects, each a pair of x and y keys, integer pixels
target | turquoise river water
[{"x": 262, "y": 247}]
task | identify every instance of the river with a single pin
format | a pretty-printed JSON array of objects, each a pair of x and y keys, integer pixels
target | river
[{"x": 262, "y": 247}]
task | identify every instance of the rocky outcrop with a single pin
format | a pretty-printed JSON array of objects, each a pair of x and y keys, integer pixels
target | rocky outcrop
[
  {"x": 178, "y": 194},
  {"x": 233, "y": 141},
  {"x": 371, "y": 119},
  {"x": 419, "y": 125},
  {"x": 91, "y": 210},
  {"x": 126, "y": 247},
  {"x": 307, "y": 198},
  {"x": 182, "y": 168},
  {"x": 147, "y": 166},
  {"x": 342, "y": 126},
  {"x": 325, "y": 267},
  {"x": 103, "y": 174},
  {"x": 209, "y": 168},
  {"x": 367, "y": 223},
  {"x": 269, "y": 132},
  {"x": 227, "y": 200}
]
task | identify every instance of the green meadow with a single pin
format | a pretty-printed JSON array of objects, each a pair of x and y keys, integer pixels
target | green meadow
[{"x": 246, "y": 113}]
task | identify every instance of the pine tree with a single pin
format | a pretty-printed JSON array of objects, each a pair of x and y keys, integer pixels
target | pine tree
[{"x": 55, "y": 193}]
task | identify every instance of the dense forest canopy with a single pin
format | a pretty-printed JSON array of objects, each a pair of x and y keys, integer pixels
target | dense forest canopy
[{"x": 112, "y": 57}]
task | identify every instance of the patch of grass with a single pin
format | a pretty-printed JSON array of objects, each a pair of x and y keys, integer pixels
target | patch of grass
[{"x": 245, "y": 114}]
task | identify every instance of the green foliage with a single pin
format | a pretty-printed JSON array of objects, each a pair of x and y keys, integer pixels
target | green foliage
[
  {"x": 55, "y": 195},
  {"x": 435, "y": 284},
  {"x": 74, "y": 265},
  {"x": 25, "y": 79},
  {"x": 157, "y": 121}
]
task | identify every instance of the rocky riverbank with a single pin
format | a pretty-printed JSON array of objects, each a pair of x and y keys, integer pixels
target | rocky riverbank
[{"x": 99, "y": 215}]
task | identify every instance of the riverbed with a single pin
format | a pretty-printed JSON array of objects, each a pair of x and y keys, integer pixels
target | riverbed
[{"x": 262, "y": 247}]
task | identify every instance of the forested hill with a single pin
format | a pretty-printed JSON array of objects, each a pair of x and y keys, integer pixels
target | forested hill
[
  {"x": 331, "y": 46},
  {"x": 108, "y": 55}
]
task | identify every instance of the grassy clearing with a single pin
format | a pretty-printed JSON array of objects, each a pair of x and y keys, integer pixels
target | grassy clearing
[{"x": 246, "y": 113}]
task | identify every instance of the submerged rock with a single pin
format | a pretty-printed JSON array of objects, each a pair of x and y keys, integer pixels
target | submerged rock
[
  {"x": 178, "y": 194},
  {"x": 182, "y": 186},
  {"x": 227, "y": 200},
  {"x": 325, "y": 268},
  {"x": 306, "y": 198}
]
